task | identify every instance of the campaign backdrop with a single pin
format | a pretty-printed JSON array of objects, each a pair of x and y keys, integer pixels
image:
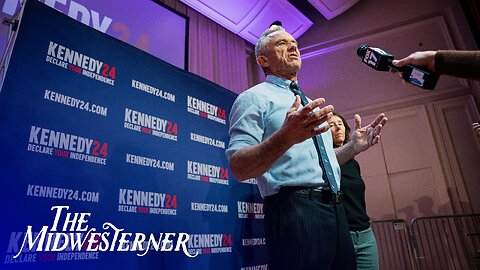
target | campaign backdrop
[{"x": 105, "y": 149}]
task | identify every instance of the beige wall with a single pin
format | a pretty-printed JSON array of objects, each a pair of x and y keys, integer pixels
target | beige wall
[
  {"x": 426, "y": 163},
  {"x": 428, "y": 160}
]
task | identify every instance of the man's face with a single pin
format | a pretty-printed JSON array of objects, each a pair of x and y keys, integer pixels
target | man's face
[{"x": 283, "y": 56}]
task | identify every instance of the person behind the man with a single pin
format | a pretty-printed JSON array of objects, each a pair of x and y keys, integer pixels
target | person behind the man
[
  {"x": 354, "y": 203},
  {"x": 271, "y": 140}
]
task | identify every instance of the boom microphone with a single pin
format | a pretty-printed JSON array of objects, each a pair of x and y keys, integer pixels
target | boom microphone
[{"x": 380, "y": 60}]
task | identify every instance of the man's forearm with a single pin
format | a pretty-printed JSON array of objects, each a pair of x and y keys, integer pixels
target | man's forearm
[{"x": 255, "y": 160}]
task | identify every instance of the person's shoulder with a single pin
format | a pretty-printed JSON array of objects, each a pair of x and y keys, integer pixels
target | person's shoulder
[
  {"x": 259, "y": 89},
  {"x": 250, "y": 100},
  {"x": 257, "y": 92}
]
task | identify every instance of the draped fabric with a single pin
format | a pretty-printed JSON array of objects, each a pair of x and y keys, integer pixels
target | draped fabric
[{"x": 214, "y": 52}]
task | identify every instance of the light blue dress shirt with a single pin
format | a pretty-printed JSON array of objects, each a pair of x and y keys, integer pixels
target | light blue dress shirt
[{"x": 255, "y": 115}]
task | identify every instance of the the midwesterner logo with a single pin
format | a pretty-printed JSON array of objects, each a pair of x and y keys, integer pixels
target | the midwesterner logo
[{"x": 70, "y": 231}]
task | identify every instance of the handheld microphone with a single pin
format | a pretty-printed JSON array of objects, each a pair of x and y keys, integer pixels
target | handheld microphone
[{"x": 380, "y": 60}]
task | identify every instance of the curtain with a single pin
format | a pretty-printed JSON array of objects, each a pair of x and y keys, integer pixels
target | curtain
[{"x": 214, "y": 52}]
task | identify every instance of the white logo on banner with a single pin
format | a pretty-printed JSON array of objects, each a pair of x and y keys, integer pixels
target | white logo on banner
[
  {"x": 205, "y": 109},
  {"x": 250, "y": 210},
  {"x": 150, "y": 124},
  {"x": 209, "y": 207},
  {"x": 256, "y": 267},
  {"x": 79, "y": 63},
  {"x": 64, "y": 145},
  {"x": 207, "y": 140},
  {"x": 209, "y": 243},
  {"x": 153, "y": 90},
  {"x": 145, "y": 202},
  {"x": 207, "y": 173},
  {"x": 150, "y": 162}
]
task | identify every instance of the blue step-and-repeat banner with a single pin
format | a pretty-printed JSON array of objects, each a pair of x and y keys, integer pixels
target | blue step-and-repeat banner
[{"x": 112, "y": 158}]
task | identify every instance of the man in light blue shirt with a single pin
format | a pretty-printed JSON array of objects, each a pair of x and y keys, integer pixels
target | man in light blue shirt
[
  {"x": 256, "y": 115},
  {"x": 305, "y": 224}
]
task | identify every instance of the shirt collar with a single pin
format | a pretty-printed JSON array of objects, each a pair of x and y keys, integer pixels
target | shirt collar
[{"x": 278, "y": 81}]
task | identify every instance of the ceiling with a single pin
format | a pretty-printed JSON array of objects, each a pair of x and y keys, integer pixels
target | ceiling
[{"x": 249, "y": 18}]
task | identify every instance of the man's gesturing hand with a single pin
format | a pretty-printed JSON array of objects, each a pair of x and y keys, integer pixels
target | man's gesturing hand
[{"x": 302, "y": 123}]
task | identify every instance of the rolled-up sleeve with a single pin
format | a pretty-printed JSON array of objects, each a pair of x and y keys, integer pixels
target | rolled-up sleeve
[{"x": 246, "y": 122}]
